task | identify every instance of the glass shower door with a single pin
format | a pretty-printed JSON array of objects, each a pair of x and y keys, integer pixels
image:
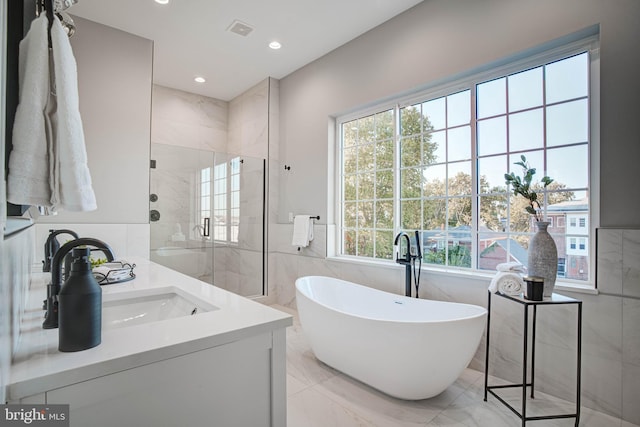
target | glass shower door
[
  {"x": 238, "y": 224},
  {"x": 180, "y": 209},
  {"x": 207, "y": 215}
]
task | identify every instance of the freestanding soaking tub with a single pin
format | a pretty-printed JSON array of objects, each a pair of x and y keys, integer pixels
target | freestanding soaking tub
[{"x": 405, "y": 347}]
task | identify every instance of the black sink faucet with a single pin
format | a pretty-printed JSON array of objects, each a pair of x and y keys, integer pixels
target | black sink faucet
[
  {"x": 51, "y": 317},
  {"x": 52, "y": 246}
]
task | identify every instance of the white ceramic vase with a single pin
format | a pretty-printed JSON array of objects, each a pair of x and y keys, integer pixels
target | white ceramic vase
[{"x": 543, "y": 258}]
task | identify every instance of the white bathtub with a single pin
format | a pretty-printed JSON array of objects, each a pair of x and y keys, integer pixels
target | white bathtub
[
  {"x": 192, "y": 262},
  {"x": 405, "y": 347}
]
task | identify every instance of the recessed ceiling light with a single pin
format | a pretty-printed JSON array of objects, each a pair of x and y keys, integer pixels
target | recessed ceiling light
[
  {"x": 162, "y": 1},
  {"x": 200, "y": 79},
  {"x": 275, "y": 45}
]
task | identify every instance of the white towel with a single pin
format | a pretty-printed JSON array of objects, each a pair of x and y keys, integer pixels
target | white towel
[
  {"x": 48, "y": 162},
  {"x": 507, "y": 283},
  {"x": 511, "y": 266},
  {"x": 71, "y": 172},
  {"x": 302, "y": 230},
  {"x": 28, "y": 182}
]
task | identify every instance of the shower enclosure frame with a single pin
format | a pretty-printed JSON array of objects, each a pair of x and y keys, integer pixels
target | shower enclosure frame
[{"x": 178, "y": 184}]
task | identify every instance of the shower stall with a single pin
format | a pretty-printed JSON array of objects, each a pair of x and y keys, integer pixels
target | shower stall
[{"x": 207, "y": 216}]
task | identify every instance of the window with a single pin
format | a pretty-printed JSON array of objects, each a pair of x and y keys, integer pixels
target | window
[
  {"x": 234, "y": 199},
  {"x": 572, "y": 243},
  {"x": 436, "y": 164},
  {"x": 205, "y": 204},
  {"x": 582, "y": 244},
  {"x": 226, "y": 202},
  {"x": 582, "y": 222},
  {"x": 220, "y": 217}
]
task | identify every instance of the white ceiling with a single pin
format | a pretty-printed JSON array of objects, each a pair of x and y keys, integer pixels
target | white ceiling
[{"x": 191, "y": 37}]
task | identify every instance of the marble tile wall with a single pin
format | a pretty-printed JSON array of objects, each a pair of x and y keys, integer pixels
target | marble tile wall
[
  {"x": 618, "y": 272},
  {"x": 249, "y": 122},
  {"x": 126, "y": 240},
  {"x": 249, "y": 135},
  {"x": 173, "y": 180},
  {"x": 188, "y": 120},
  {"x": 239, "y": 127},
  {"x": 611, "y": 336}
]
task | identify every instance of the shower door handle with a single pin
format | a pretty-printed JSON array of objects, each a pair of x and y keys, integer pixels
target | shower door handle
[{"x": 207, "y": 222}]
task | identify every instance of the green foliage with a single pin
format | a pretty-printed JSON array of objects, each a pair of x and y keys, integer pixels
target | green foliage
[
  {"x": 456, "y": 255},
  {"x": 523, "y": 187},
  {"x": 425, "y": 203},
  {"x": 96, "y": 262}
]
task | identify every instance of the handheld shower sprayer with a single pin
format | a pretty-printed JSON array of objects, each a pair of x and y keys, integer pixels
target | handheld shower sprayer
[{"x": 418, "y": 271}]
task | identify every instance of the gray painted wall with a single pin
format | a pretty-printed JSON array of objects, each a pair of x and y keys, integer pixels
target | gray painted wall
[
  {"x": 441, "y": 38},
  {"x": 115, "y": 72}
]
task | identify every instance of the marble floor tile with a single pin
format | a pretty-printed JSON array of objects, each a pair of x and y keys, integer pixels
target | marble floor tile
[
  {"x": 381, "y": 410},
  {"x": 320, "y": 396},
  {"x": 443, "y": 421},
  {"x": 294, "y": 385},
  {"x": 310, "y": 408}
]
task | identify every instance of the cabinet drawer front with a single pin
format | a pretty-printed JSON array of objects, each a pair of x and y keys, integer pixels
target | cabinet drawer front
[{"x": 229, "y": 385}]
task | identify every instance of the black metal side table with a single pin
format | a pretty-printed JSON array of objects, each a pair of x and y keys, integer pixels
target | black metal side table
[{"x": 555, "y": 299}]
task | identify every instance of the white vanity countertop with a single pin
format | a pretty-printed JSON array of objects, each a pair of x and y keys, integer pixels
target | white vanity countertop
[{"x": 38, "y": 366}]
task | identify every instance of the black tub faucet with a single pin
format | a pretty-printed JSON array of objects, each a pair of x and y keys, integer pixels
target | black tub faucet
[
  {"x": 409, "y": 259},
  {"x": 398, "y": 243},
  {"x": 51, "y": 316},
  {"x": 52, "y": 246}
]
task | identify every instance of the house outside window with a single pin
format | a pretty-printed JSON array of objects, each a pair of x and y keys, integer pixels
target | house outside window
[{"x": 436, "y": 164}]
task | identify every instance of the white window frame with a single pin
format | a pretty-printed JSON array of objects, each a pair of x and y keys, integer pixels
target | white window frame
[
  {"x": 590, "y": 44},
  {"x": 226, "y": 185}
]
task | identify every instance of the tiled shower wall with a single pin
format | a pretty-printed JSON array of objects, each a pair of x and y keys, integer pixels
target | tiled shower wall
[
  {"x": 611, "y": 335},
  {"x": 239, "y": 127}
]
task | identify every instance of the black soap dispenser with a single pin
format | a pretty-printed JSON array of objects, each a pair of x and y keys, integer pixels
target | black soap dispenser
[{"x": 79, "y": 306}]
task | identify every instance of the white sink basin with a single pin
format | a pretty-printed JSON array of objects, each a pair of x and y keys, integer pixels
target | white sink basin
[{"x": 137, "y": 307}]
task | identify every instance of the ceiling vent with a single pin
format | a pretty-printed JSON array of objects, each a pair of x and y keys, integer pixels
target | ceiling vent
[{"x": 240, "y": 28}]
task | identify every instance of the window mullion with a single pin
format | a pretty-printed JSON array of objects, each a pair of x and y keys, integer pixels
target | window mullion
[
  {"x": 475, "y": 181},
  {"x": 397, "y": 190}
]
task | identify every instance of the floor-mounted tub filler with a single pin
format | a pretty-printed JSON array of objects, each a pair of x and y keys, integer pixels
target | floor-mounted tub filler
[{"x": 405, "y": 347}]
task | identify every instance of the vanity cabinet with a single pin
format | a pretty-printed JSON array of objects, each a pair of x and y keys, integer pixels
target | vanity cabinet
[
  {"x": 222, "y": 367},
  {"x": 236, "y": 384}
]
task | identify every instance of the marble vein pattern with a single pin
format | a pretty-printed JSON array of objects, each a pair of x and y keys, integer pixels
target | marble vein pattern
[
  {"x": 188, "y": 120},
  {"x": 631, "y": 263},
  {"x": 318, "y": 395},
  {"x": 609, "y": 260}
]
